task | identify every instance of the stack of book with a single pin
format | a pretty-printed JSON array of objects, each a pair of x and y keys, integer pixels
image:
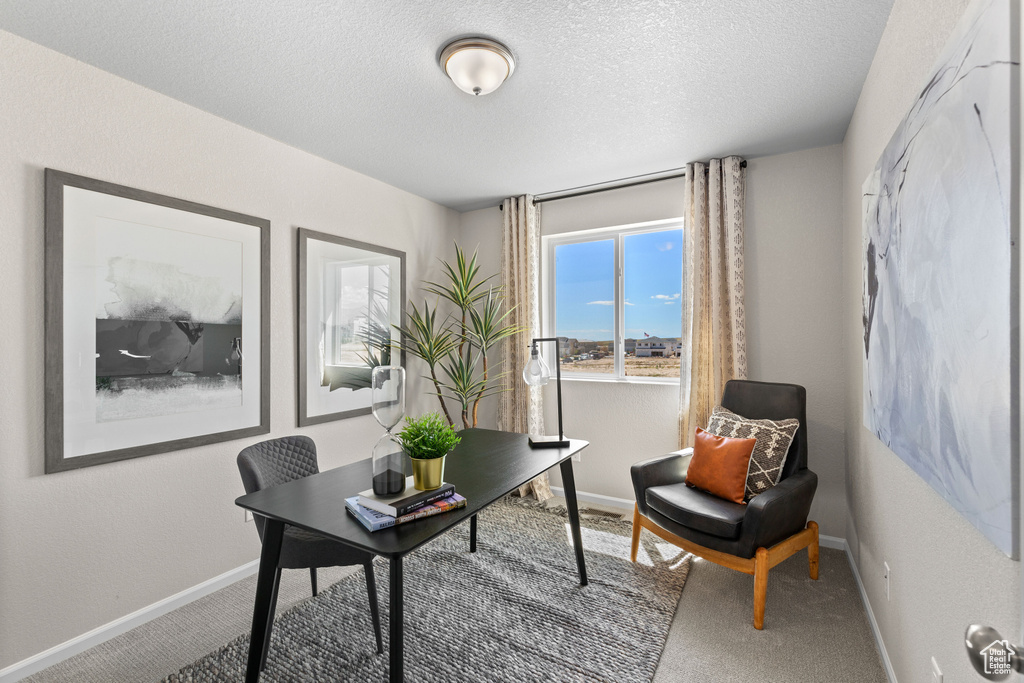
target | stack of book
[{"x": 379, "y": 512}]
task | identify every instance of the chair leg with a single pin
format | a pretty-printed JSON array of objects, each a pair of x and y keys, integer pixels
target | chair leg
[
  {"x": 760, "y": 586},
  {"x": 636, "y": 534},
  {"x": 270, "y": 620},
  {"x": 371, "y": 590},
  {"x": 312, "y": 579},
  {"x": 812, "y": 550}
]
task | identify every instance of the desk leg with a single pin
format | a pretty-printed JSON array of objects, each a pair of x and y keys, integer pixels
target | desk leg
[
  {"x": 472, "y": 534},
  {"x": 270, "y": 620},
  {"x": 396, "y": 672},
  {"x": 569, "y": 488},
  {"x": 273, "y": 534}
]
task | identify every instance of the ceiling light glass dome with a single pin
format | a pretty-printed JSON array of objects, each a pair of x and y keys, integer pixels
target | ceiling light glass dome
[{"x": 477, "y": 66}]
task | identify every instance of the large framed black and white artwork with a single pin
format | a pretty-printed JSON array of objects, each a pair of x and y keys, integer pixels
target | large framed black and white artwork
[
  {"x": 940, "y": 280},
  {"x": 157, "y": 313},
  {"x": 350, "y": 304}
]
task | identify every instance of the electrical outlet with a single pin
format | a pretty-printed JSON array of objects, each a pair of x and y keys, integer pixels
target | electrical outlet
[
  {"x": 936, "y": 672},
  {"x": 886, "y": 564},
  {"x": 248, "y": 516}
]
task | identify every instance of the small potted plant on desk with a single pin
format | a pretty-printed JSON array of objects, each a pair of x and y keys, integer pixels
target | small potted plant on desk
[{"x": 426, "y": 440}]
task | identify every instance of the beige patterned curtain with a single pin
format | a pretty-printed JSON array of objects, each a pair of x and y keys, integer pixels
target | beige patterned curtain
[
  {"x": 714, "y": 329},
  {"x": 520, "y": 409}
]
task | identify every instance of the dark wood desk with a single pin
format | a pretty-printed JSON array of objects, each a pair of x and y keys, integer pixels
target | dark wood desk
[{"x": 485, "y": 467}]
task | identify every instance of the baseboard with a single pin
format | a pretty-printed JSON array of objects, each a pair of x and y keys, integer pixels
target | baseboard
[
  {"x": 58, "y": 653},
  {"x": 833, "y": 542},
  {"x": 871, "y": 615},
  {"x": 610, "y": 501}
]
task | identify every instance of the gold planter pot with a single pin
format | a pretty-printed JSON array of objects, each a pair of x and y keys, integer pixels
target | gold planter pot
[{"x": 427, "y": 474}]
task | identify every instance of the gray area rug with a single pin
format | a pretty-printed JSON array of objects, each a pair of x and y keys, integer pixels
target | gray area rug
[{"x": 512, "y": 611}]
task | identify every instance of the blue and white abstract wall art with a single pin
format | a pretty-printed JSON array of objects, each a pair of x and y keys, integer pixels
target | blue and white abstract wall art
[{"x": 937, "y": 281}]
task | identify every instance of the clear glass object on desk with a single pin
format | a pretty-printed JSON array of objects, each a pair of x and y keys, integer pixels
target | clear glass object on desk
[{"x": 387, "y": 400}]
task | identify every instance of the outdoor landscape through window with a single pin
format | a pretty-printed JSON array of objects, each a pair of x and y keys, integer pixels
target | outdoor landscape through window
[{"x": 650, "y": 307}]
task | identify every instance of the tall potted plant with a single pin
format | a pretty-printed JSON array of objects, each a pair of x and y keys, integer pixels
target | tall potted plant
[{"x": 455, "y": 345}]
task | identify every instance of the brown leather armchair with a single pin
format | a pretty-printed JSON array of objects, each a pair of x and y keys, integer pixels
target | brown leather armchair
[{"x": 752, "y": 537}]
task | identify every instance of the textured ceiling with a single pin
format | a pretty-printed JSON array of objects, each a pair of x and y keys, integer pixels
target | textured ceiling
[{"x": 602, "y": 89}]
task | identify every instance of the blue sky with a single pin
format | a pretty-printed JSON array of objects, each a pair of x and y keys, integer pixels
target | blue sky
[{"x": 585, "y": 286}]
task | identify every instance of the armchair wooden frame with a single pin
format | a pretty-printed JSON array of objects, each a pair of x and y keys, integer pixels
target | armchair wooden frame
[{"x": 757, "y": 566}]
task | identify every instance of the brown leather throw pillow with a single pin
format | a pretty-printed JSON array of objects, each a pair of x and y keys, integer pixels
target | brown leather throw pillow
[{"x": 719, "y": 465}]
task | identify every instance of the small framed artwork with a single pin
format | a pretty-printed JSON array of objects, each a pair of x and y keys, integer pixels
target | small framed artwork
[
  {"x": 350, "y": 300},
  {"x": 156, "y": 316}
]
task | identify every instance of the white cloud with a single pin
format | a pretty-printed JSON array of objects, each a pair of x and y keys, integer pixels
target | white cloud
[
  {"x": 666, "y": 297},
  {"x": 600, "y": 303},
  {"x": 666, "y": 246}
]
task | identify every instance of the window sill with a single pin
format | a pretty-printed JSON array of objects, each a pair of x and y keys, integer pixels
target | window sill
[{"x": 662, "y": 381}]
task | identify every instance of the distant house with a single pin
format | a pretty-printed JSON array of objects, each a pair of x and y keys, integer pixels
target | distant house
[
  {"x": 630, "y": 346},
  {"x": 568, "y": 346},
  {"x": 657, "y": 347}
]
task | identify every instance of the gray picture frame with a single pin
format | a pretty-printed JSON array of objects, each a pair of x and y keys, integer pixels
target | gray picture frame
[
  {"x": 304, "y": 333},
  {"x": 55, "y": 235}
]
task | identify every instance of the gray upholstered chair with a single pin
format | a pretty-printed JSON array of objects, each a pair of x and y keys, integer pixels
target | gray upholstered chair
[
  {"x": 752, "y": 537},
  {"x": 278, "y": 461}
]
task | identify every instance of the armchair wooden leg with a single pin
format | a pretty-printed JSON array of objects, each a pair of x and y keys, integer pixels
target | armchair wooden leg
[
  {"x": 312, "y": 579},
  {"x": 760, "y": 586},
  {"x": 812, "y": 550},
  {"x": 636, "y": 533}
]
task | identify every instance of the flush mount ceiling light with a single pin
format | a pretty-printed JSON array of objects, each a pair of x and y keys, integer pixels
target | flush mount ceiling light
[{"x": 477, "y": 66}]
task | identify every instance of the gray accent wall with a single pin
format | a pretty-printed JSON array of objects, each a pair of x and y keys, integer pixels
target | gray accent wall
[
  {"x": 82, "y": 548},
  {"x": 944, "y": 573}
]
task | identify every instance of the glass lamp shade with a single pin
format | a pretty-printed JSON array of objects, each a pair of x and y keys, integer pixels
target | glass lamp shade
[
  {"x": 477, "y": 66},
  {"x": 536, "y": 372}
]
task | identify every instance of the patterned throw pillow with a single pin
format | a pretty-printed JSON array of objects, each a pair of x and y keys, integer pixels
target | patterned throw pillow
[{"x": 773, "y": 441}]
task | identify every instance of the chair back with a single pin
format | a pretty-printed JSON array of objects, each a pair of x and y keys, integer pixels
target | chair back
[
  {"x": 276, "y": 461},
  {"x": 771, "y": 401}
]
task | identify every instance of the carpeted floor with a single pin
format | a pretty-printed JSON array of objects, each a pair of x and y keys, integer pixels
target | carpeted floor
[
  {"x": 814, "y": 631},
  {"x": 149, "y": 652},
  {"x": 511, "y": 611}
]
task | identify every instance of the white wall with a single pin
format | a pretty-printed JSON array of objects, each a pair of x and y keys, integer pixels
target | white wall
[
  {"x": 793, "y": 262},
  {"x": 81, "y": 548},
  {"x": 945, "y": 573}
]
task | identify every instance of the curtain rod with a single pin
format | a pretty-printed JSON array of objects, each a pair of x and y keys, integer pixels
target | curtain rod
[{"x": 642, "y": 180}]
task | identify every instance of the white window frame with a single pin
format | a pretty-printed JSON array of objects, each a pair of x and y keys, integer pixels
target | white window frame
[{"x": 618, "y": 233}]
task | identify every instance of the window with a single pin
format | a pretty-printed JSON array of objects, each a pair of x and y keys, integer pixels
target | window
[
  {"x": 614, "y": 298},
  {"x": 355, "y": 300}
]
